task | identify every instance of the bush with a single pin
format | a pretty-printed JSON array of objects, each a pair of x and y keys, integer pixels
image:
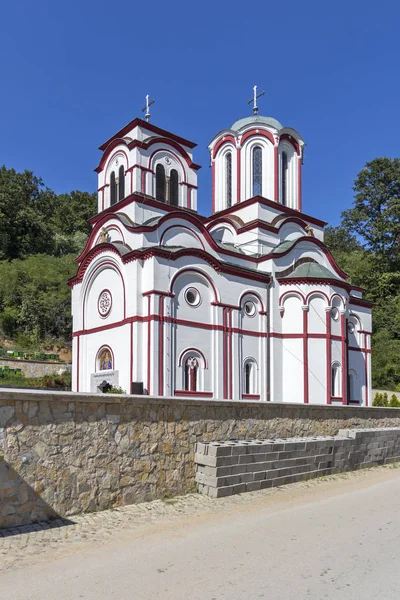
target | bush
[
  {"x": 115, "y": 390},
  {"x": 380, "y": 400},
  {"x": 394, "y": 401}
]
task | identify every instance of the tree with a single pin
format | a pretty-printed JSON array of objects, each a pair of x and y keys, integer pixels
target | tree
[
  {"x": 375, "y": 216},
  {"x": 340, "y": 239},
  {"x": 26, "y": 207},
  {"x": 72, "y": 211}
]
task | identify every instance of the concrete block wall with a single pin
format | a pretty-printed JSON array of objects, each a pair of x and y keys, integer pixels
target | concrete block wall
[{"x": 227, "y": 468}]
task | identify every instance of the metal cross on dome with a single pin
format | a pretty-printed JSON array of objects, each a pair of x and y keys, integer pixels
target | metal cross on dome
[
  {"x": 254, "y": 99},
  {"x": 146, "y": 109}
]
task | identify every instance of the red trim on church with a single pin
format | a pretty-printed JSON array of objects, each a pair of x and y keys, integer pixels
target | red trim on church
[{"x": 150, "y": 127}]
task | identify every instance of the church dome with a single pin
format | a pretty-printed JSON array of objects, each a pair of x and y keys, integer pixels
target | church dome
[{"x": 256, "y": 119}]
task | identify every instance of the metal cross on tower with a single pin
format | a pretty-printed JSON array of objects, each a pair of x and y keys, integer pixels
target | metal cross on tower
[
  {"x": 254, "y": 99},
  {"x": 146, "y": 109}
]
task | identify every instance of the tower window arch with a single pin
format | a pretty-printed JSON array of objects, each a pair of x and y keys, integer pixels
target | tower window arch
[
  {"x": 121, "y": 183},
  {"x": 257, "y": 171},
  {"x": 228, "y": 179},
  {"x": 284, "y": 178},
  {"x": 173, "y": 188},
  {"x": 160, "y": 183},
  {"x": 113, "y": 189}
]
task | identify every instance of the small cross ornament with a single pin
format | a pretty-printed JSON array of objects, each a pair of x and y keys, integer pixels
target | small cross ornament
[
  {"x": 254, "y": 99},
  {"x": 146, "y": 109}
]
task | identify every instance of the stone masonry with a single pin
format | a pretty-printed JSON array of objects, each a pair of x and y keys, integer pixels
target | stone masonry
[
  {"x": 227, "y": 468},
  {"x": 63, "y": 453}
]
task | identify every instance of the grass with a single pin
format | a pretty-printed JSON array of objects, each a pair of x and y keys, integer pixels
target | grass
[{"x": 56, "y": 382}]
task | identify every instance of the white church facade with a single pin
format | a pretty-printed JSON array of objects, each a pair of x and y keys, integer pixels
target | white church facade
[{"x": 247, "y": 303}]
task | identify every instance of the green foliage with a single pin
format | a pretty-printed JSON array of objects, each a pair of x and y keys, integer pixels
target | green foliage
[
  {"x": 394, "y": 401},
  {"x": 375, "y": 215},
  {"x": 35, "y": 299},
  {"x": 57, "y": 382},
  {"x": 34, "y": 220},
  {"x": 366, "y": 246},
  {"x": 40, "y": 235},
  {"x": 381, "y": 400},
  {"x": 115, "y": 390}
]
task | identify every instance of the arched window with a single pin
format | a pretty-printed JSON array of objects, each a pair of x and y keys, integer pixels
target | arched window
[
  {"x": 257, "y": 171},
  {"x": 335, "y": 380},
  {"x": 191, "y": 374},
  {"x": 352, "y": 385},
  {"x": 173, "y": 188},
  {"x": 121, "y": 183},
  {"x": 105, "y": 360},
  {"x": 250, "y": 377},
  {"x": 160, "y": 183},
  {"x": 284, "y": 178},
  {"x": 228, "y": 179},
  {"x": 113, "y": 189}
]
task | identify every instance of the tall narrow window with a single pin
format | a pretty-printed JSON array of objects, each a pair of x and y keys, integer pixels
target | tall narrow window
[
  {"x": 160, "y": 183},
  {"x": 284, "y": 178},
  {"x": 113, "y": 189},
  {"x": 173, "y": 188},
  {"x": 257, "y": 171},
  {"x": 121, "y": 183},
  {"x": 335, "y": 380},
  {"x": 247, "y": 378},
  {"x": 191, "y": 374},
  {"x": 228, "y": 179}
]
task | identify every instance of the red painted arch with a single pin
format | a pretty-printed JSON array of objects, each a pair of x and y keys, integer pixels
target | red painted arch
[
  {"x": 261, "y": 132},
  {"x": 252, "y": 293},
  {"x": 103, "y": 347},
  {"x": 182, "y": 354},
  {"x": 291, "y": 140},
  {"x": 225, "y": 140},
  {"x": 182, "y": 227},
  {"x": 92, "y": 276},
  {"x": 291, "y": 293},
  {"x": 199, "y": 272}
]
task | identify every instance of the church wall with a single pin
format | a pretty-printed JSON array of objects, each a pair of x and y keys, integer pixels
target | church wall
[
  {"x": 316, "y": 370},
  {"x": 358, "y": 367},
  {"x": 118, "y": 341},
  {"x": 110, "y": 281},
  {"x": 293, "y": 370}
]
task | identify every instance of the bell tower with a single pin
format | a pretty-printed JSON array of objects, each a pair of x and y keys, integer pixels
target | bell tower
[
  {"x": 144, "y": 159},
  {"x": 256, "y": 156}
]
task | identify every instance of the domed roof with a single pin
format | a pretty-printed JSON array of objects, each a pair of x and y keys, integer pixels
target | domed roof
[{"x": 256, "y": 119}]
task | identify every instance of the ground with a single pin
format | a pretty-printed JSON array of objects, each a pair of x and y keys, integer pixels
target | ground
[{"x": 337, "y": 537}]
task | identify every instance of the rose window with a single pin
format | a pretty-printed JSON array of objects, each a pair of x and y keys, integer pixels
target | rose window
[{"x": 104, "y": 303}]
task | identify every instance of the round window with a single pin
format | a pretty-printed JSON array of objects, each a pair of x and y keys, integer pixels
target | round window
[
  {"x": 250, "y": 309},
  {"x": 335, "y": 313},
  {"x": 351, "y": 328},
  {"x": 104, "y": 303},
  {"x": 192, "y": 297}
]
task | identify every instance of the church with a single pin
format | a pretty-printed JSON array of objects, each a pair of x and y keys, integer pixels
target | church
[{"x": 245, "y": 304}]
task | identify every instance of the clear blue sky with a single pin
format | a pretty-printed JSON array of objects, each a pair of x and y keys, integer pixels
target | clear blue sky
[{"x": 74, "y": 73}]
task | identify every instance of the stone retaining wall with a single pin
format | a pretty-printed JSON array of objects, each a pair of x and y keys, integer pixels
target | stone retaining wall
[
  {"x": 33, "y": 368},
  {"x": 227, "y": 468},
  {"x": 65, "y": 453}
]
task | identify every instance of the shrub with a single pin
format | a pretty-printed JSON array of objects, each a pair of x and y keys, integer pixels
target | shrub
[
  {"x": 394, "y": 401},
  {"x": 115, "y": 390}
]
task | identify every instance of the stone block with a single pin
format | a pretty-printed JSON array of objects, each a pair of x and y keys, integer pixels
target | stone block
[
  {"x": 253, "y": 486},
  {"x": 239, "y": 488}
]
